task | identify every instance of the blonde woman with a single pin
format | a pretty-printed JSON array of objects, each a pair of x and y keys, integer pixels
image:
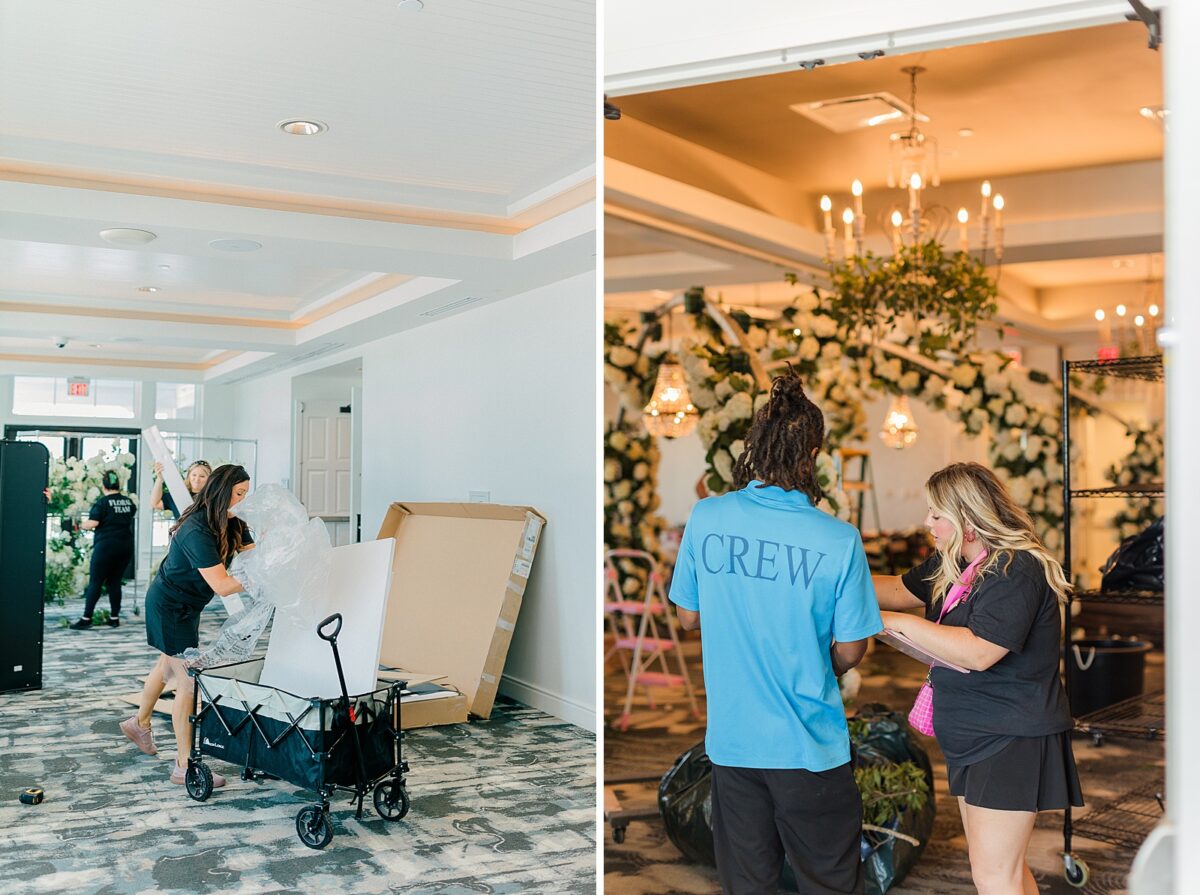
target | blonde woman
[
  {"x": 1004, "y": 727},
  {"x": 194, "y": 479}
]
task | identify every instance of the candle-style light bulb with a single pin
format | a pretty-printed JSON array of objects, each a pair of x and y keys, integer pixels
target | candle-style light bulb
[
  {"x": 986, "y": 192},
  {"x": 848, "y": 220},
  {"x": 986, "y": 189},
  {"x": 998, "y": 204},
  {"x": 1121, "y": 310},
  {"x": 963, "y": 245},
  {"x": 1139, "y": 320},
  {"x": 963, "y": 217},
  {"x": 1153, "y": 310},
  {"x": 897, "y": 219},
  {"x": 856, "y": 188},
  {"x": 827, "y": 203},
  {"x": 1099, "y": 314},
  {"x": 848, "y": 216}
]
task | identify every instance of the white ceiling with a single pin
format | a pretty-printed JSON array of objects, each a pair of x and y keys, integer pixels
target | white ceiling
[
  {"x": 718, "y": 184},
  {"x": 459, "y": 164}
]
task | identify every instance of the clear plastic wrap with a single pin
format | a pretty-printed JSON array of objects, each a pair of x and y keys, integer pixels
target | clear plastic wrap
[{"x": 287, "y": 570}]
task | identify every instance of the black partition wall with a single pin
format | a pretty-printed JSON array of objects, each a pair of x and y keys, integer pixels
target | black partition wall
[{"x": 24, "y": 471}]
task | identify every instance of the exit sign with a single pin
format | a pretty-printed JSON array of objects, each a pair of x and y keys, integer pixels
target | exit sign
[{"x": 77, "y": 387}]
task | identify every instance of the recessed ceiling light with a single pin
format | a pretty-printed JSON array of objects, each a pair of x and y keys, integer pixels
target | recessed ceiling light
[
  {"x": 413, "y": 5},
  {"x": 126, "y": 236},
  {"x": 164, "y": 267},
  {"x": 235, "y": 245},
  {"x": 966, "y": 132},
  {"x": 302, "y": 127},
  {"x": 147, "y": 288}
]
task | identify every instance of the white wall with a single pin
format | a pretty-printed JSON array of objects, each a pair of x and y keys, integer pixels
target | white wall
[{"x": 501, "y": 399}]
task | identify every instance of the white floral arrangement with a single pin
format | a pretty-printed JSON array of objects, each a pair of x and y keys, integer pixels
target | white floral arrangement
[
  {"x": 1142, "y": 466},
  {"x": 631, "y": 459},
  {"x": 76, "y": 484}
]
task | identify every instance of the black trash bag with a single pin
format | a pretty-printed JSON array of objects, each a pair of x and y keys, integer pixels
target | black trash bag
[
  {"x": 1138, "y": 563},
  {"x": 685, "y": 803},
  {"x": 886, "y": 859}
]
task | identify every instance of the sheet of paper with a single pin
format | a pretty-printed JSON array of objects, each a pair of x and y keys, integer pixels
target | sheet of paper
[
  {"x": 899, "y": 641},
  {"x": 153, "y": 439},
  {"x": 299, "y": 662}
]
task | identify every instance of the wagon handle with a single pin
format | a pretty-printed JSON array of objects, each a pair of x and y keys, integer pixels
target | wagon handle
[{"x": 332, "y": 638}]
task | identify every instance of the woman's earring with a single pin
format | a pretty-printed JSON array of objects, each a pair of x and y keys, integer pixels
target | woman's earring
[{"x": 970, "y": 537}]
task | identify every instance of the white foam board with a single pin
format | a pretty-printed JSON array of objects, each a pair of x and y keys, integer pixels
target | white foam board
[{"x": 299, "y": 662}]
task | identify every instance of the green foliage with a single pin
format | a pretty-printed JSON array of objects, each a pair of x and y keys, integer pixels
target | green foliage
[
  {"x": 889, "y": 789},
  {"x": 921, "y": 282}
]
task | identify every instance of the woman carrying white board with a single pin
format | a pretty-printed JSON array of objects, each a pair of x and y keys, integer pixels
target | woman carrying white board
[{"x": 203, "y": 542}]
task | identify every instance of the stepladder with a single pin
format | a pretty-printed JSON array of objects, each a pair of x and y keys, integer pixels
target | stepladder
[{"x": 643, "y": 633}]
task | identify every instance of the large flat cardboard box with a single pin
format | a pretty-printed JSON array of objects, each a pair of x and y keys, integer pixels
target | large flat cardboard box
[{"x": 458, "y": 577}]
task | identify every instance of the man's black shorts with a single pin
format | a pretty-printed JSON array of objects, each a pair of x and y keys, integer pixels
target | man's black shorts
[{"x": 815, "y": 818}]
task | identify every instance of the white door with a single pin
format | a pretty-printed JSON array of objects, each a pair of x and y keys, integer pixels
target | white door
[{"x": 324, "y": 466}]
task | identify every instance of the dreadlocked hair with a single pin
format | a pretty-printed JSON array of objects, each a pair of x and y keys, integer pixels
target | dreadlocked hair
[
  {"x": 212, "y": 506},
  {"x": 781, "y": 445}
]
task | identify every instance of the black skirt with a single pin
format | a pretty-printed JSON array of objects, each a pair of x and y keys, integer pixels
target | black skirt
[
  {"x": 1029, "y": 774},
  {"x": 171, "y": 625}
]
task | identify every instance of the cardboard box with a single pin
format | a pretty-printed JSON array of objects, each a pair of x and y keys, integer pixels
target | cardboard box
[{"x": 458, "y": 577}]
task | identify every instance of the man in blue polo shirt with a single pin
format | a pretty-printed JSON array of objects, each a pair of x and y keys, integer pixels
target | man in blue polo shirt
[{"x": 786, "y": 600}]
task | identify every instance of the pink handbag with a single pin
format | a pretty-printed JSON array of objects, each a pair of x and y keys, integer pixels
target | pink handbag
[{"x": 920, "y": 716}]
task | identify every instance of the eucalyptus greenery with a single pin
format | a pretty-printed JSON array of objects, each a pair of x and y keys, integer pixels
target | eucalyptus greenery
[{"x": 920, "y": 282}]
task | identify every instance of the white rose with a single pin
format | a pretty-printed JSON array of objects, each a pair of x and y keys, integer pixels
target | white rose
[
  {"x": 978, "y": 418},
  {"x": 807, "y": 302},
  {"x": 625, "y": 507},
  {"x": 910, "y": 380},
  {"x": 623, "y": 489},
  {"x": 995, "y": 406},
  {"x": 735, "y": 449},
  {"x": 622, "y": 356},
  {"x": 810, "y": 348},
  {"x": 824, "y": 327},
  {"x": 1015, "y": 415},
  {"x": 992, "y": 363},
  {"x": 1038, "y": 504},
  {"x": 640, "y": 471},
  {"x": 704, "y": 398},
  {"x": 723, "y": 464},
  {"x": 994, "y": 384},
  {"x": 723, "y": 390},
  {"x": 724, "y": 419},
  {"x": 708, "y": 426},
  {"x": 618, "y": 441},
  {"x": 934, "y": 385},
  {"x": 756, "y": 338},
  {"x": 740, "y": 406},
  {"x": 831, "y": 351},
  {"x": 891, "y": 369},
  {"x": 1052, "y": 539},
  {"x": 1049, "y": 425},
  {"x": 964, "y": 375},
  {"x": 760, "y": 400},
  {"x": 954, "y": 398},
  {"x": 92, "y": 493},
  {"x": 1033, "y": 448},
  {"x": 1020, "y": 491},
  {"x": 969, "y": 402},
  {"x": 1011, "y": 451}
]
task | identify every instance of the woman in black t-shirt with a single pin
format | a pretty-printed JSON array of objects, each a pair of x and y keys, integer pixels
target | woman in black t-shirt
[
  {"x": 1005, "y": 726},
  {"x": 203, "y": 542},
  {"x": 111, "y": 517}
]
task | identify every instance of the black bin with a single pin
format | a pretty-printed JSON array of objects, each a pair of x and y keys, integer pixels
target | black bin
[{"x": 1104, "y": 671}]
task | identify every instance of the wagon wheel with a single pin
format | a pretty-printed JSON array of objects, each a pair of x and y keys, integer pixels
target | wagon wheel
[
  {"x": 1075, "y": 869},
  {"x": 199, "y": 781},
  {"x": 313, "y": 826},
  {"x": 391, "y": 800}
]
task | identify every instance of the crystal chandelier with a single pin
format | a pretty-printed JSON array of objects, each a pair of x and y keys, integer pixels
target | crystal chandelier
[
  {"x": 670, "y": 413},
  {"x": 899, "y": 428},
  {"x": 914, "y": 167},
  {"x": 913, "y": 152}
]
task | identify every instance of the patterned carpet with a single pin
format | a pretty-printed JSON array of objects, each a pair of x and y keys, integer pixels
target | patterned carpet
[
  {"x": 648, "y": 864},
  {"x": 500, "y": 806}
]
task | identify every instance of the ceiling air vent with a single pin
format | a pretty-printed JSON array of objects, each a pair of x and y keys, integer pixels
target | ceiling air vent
[
  {"x": 851, "y": 113},
  {"x": 452, "y": 306}
]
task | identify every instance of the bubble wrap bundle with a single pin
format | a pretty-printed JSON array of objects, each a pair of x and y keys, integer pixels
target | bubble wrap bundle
[{"x": 288, "y": 570}]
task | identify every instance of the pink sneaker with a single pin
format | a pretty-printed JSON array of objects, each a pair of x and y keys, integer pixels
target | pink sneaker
[
  {"x": 179, "y": 776},
  {"x": 142, "y": 737}
]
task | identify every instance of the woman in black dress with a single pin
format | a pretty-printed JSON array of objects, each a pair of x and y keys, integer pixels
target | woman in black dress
[
  {"x": 111, "y": 517},
  {"x": 1004, "y": 727},
  {"x": 203, "y": 542}
]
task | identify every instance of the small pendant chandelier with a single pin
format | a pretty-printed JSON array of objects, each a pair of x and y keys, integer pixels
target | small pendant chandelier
[
  {"x": 899, "y": 428},
  {"x": 670, "y": 413}
]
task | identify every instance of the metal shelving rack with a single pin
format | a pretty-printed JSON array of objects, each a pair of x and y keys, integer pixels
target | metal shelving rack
[{"x": 1127, "y": 819}]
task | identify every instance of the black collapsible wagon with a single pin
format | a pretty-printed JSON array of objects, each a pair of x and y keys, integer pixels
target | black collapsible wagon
[{"x": 351, "y": 744}]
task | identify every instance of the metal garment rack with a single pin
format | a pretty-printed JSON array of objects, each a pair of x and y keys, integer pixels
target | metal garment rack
[{"x": 1127, "y": 819}]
